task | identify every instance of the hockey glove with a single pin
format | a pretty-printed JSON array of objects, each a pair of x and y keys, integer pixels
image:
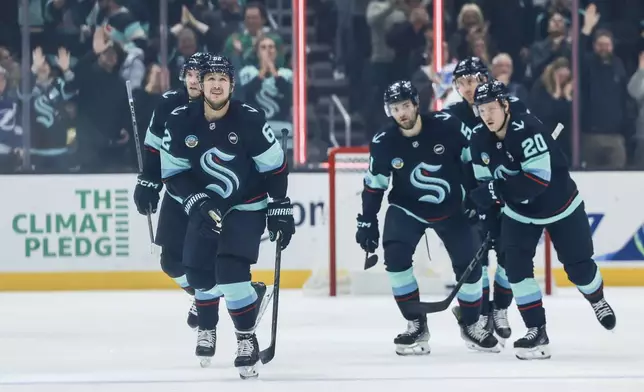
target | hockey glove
[
  {"x": 368, "y": 234},
  {"x": 471, "y": 213},
  {"x": 146, "y": 195},
  {"x": 203, "y": 212},
  {"x": 279, "y": 221},
  {"x": 485, "y": 196},
  {"x": 491, "y": 221}
]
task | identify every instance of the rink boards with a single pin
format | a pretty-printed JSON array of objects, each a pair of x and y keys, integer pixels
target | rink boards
[{"x": 83, "y": 232}]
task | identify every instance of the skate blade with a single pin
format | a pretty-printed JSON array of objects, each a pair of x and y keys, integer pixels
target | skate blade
[
  {"x": 205, "y": 362},
  {"x": 501, "y": 339},
  {"x": 419, "y": 348},
  {"x": 476, "y": 347},
  {"x": 538, "y": 352},
  {"x": 268, "y": 295},
  {"x": 248, "y": 372}
]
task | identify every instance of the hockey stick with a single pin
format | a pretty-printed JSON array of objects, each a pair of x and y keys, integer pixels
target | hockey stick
[
  {"x": 435, "y": 307},
  {"x": 370, "y": 261},
  {"x": 268, "y": 354},
  {"x": 139, "y": 156}
]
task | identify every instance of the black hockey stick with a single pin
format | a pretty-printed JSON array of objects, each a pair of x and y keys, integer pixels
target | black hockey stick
[
  {"x": 137, "y": 143},
  {"x": 370, "y": 261},
  {"x": 435, "y": 307},
  {"x": 268, "y": 354}
]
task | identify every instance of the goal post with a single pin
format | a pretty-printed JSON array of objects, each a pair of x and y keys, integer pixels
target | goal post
[{"x": 344, "y": 272}]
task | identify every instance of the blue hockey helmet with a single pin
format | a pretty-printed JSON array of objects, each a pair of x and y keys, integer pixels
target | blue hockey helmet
[
  {"x": 471, "y": 66},
  {"x": 194, "y": 62},
  {"x": 400, "y": 91},
  {"x": 218, "y": 64},
  {"x": 490, "y": 92}
]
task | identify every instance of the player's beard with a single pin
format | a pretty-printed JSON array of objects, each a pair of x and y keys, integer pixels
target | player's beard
[{"x": 409, "y": 124}]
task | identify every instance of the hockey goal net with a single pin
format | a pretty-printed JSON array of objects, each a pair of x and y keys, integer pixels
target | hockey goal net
[{"x": 344, "y": 273}]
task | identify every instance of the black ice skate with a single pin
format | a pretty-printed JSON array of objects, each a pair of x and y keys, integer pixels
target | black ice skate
[
  {"x": 414, "y": 341},
  {"x": 534, "y": 345},
  {"x": 206, "y": 345},
  {"x": 501, "y": 324},
  {"x": 478, "y": 336},
  {"x": 604, "y": 313},
  {"x": 247, "y": 354},
  {"x": 193, "y": 321}
]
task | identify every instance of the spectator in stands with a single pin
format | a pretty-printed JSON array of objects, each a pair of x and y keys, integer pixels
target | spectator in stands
[
  {"x": 470, "y": 23},
  {"x": 148, "y": 97},
  {"x": 382, "y": 15},
  {"x": 502, "y": 69},
  {"x": 213, "y": 27},
  {"x": 551, "y": 100},
  {"x": 268, "y": 86},
  {"x": 604, "y": 100},
  {"x": 187, "y": 45},
  {"x": 9, "y": 136},
  {"x": 120, "y": 23},
  {"x": 432, "y": 85},
  {"x": 239, "y": 47},
  {"x": 103, "y": 113},
  {"x": 11, "y": 67},
  {"x": 636, "y": 90},
  {"x": 546, "y": 51},
  {"x": 544, "y": 13},
  {"x": 407, "y": 40}
]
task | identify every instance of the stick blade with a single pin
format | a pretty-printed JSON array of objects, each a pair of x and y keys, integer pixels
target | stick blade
[
  {"x": 370, "y": 261},
  {"x": 267, "y": 355}
]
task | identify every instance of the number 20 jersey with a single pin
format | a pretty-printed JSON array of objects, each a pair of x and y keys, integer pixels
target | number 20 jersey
[
  {"x": 529, "y": 169},
  {"x": 231, "y": 157}
]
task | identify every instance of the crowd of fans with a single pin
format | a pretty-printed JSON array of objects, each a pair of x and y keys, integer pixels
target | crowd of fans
[
  {"x": 527, "y": 44},
  {"x": 84, "y": 50}
]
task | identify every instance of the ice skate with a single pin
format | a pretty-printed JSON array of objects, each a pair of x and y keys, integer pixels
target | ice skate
[
  {"x": 414, "y": 341},
  {"x": 193, "y": 321},
  {"x": 478, "y": 336},
  {"x": 247, "y": 354},
  {"x": 206, "y": 345},
  {"x": 534, "y": 345},
  {"x": 501, "y": 325},
  {"x": 604, "y": 313}
]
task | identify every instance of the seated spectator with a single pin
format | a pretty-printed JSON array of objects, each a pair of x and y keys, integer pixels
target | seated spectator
[{"x": 502, "y": 68}]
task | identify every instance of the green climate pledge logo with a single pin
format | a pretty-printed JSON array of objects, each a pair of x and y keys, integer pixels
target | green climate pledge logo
[{"x": 98, "y": 228}]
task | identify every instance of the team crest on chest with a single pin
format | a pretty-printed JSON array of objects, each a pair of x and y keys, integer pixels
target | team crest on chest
[
  {"x": 192, "y": 141},
  {"x": 397, "y": 163},
  {"x": 485, "y": 158},
  {"x": 233, "y": 138},
  {"x": 212, "y": 126},
  {"x": 439, "y": 149}
]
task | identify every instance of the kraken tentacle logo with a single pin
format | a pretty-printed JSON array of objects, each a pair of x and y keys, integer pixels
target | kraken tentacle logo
[
  {"x": 421, "y": 178},
  {"x": 502, "y": 173},
  {"x": 211, "y": 163}
]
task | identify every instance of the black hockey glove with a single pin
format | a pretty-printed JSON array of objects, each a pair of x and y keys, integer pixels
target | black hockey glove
[
  {"x": 485, "y": 196},
  {"x": 203, "y": 212},
  {"x": 146, "y": 195},
  {"x": 368, "y": 234},
  {"x": 279, "y": 220}
]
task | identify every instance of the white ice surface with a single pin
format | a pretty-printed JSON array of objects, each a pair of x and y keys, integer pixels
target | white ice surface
[{"x": 138, "y": 341}]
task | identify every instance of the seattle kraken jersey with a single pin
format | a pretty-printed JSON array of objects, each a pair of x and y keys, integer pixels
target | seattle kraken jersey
[
  {"x": 470, "y": 116},
  {"x": 154, "y": 135},
  {"x": 427, "y": 169},
  {"x": 529, "y": 169},
  {"x": 236, "y": 159},
  {"x": 50, "y": 121}
]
